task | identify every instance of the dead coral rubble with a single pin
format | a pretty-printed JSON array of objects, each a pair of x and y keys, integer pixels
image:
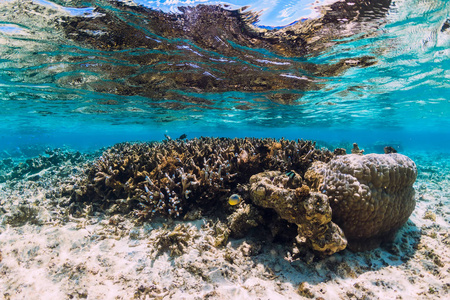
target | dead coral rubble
[
  {"x": 168, "y": 178},
  {"x": 30, "y": 168},
  {"x": 176, "y": 240}
]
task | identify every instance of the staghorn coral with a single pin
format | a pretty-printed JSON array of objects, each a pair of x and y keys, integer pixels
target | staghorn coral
[
  {"x": 371, "y": 195},
  {"x": 170, "y": 177},
  {"x": 365, "y": 197},
  {"x": 309, "y": 210}
]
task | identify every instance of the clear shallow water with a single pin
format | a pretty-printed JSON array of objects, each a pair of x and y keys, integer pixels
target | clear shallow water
[{"x": 93, "y": 73}]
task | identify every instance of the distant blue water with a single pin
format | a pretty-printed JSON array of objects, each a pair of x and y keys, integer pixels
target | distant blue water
[{"x": 60, "y": 89}]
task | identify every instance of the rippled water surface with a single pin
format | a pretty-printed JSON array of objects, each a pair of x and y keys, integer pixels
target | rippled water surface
[{"x": 91, "y": 73}]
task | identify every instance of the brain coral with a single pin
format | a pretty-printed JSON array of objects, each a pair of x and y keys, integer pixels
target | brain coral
[{"x": 371, "y": 195}]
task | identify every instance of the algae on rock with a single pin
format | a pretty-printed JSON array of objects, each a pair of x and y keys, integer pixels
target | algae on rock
[{"x": 310, "y": 211}]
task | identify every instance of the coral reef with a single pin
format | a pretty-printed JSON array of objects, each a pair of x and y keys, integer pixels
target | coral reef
[
  {"x": 371, "y": 195},
  {"x": 243, "y": 219},
  {"x": 30, "y": 168},
  {"x": 333, "y": 199},
  {"x": 173, "y": 176},
  {"x": 309, "y": 210},
  {"x": 20, "y": 214},
  {"x": 85, "y": 256}
]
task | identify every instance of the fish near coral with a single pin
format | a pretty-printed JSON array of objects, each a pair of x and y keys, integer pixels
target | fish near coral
[
  {"x": 234, "y": 199},
  {"x": 290, "y": 174},
  {"x": 162, "y": 178}
]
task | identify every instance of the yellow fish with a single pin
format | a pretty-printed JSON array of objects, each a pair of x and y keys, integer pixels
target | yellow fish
[{"x": 234, "y": 199}]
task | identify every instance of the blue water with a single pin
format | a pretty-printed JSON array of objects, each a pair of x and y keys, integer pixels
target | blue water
[{"x": 61, "y": 88}]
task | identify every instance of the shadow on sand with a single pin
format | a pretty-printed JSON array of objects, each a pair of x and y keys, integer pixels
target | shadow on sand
[{"x": 306, "y": 269}]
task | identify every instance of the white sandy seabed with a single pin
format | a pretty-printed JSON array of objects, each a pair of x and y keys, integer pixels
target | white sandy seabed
[{"x": 47, "y": 254}]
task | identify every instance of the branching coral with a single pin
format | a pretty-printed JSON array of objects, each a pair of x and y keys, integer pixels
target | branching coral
[
  {"x": 169, "y": 177},
  {"x": 334, "y": 199}
]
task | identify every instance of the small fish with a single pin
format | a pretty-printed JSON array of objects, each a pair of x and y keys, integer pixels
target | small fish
[
  {"x": 234, "y": 199},
  {"x": 290, "y": 174},
  {"x": 182, "y": 137}
]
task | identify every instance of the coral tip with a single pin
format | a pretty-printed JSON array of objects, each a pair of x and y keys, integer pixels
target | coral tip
[{"x": 234, "y": 199}]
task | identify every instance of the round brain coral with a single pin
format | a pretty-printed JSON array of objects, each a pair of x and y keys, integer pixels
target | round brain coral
[{"x": 371, "y": 195}]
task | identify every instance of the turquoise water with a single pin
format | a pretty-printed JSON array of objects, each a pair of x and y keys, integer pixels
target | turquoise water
[{"x": 89, "y": 74}]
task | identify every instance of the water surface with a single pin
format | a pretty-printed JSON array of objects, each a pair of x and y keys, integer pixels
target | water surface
[{"x": 92, "y": 73}]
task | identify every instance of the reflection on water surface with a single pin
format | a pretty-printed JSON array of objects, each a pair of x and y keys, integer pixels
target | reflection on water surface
[{"x": 350, "y": 63}]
